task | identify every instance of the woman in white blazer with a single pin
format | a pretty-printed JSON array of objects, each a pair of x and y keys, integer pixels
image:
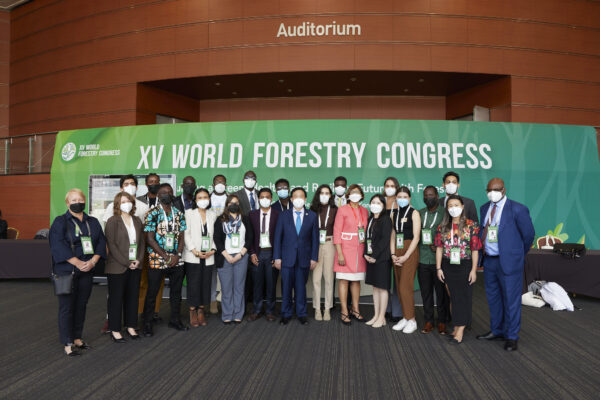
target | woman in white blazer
[{"x": 198, "y": 255}]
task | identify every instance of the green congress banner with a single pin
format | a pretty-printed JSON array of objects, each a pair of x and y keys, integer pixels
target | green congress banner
[{"x": 553, "y": 169}]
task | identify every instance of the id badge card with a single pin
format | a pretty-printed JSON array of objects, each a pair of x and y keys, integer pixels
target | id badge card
[
  {"x": 86, "y": 244},
  {"x": 205, "y": 244},
  {"x": 264, "y": 241},
  {"x": 361, "y": 235},
  {"x": 132, "y": 252},
  {"x": 492, "y": 234},
  {"x": 399, "y": 240},
  {"x": 235, "y": 240},
  {"x": 426, "y": 234},
  {"x": 369, "y": 246},
  {"x": 169, "y": 241},
  {"x": 322, "y": 236},
  {"x": 455, "y": 255}
]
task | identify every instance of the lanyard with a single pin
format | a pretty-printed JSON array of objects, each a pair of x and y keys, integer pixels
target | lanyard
[
  {"x": 370, "y": 228},
  {"x": 356, "y": 219},
  {"x": 457, "y": 240},
  {"x": 78, "y": 231},
  {"x": 169, "y": 229},
  {"x": 432, "y": 222},
  {"x": 403, "y": 218},
  {"x": 202, "y": 224},
  {"x": 326, "y": 219}
]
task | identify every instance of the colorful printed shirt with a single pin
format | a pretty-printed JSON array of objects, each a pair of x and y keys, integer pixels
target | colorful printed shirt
[
  {"x": 156, "y": 222},
  {"x": 467, "y": 241}
]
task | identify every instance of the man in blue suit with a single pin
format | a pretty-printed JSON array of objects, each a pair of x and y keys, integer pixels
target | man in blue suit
[
  {"x": 507, "y": 237},
  {"x": 295, "y": 251}
]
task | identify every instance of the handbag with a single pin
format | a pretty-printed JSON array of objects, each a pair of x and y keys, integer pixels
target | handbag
[{"x": 63, "y": 284}]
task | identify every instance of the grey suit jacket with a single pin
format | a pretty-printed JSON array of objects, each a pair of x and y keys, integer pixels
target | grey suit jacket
[
  {"x": 245, "y": 202},
  {"x": 470, "y": 209},
  {"x": 117, "y": 240}
]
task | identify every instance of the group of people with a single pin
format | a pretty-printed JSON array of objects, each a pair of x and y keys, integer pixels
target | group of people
[{"x": 248, "y": 241}]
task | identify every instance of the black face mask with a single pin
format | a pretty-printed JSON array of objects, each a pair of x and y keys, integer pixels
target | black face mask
[
  {"x": 234, "y": 208},
  {"x": 153, "y": 188},
  {"x": 165, "y": 199},
  {"x": 430, "y": 202},
  {"x": 189, "y": 189},
  {"x": 77, "y": 207}
]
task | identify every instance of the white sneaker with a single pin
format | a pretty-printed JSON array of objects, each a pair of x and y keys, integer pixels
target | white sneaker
[
  {"x": 410, "y": 327},
  {"x": 400, "y": 325}
]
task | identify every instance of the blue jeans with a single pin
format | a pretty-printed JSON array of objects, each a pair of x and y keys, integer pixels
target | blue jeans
[
  {"x": 264, "y": 277},
  {"x": 233, "y": 281}
]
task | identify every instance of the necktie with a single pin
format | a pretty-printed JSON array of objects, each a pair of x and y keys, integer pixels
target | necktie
[
  {"x": 252, "y": 202},
  {"x": 298, "y": 222},
  {"x": 264, "y": 223},
  {"x": 485, "y": 230}
]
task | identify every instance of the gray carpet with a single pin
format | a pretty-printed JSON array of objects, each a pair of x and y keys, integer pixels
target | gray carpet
[{"x": 558, "y": 357}]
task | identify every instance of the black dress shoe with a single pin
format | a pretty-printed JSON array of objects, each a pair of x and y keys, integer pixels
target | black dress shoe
[
  {"x": 284, "y": 321},
  {"x": 156, "y": 318},
  {"x": 133, "y": 337},
  {"x": 454, "y": 341},
  {"x": 147, "y": 331},
  {"x": 510, "y": 345},
  {"x": 83, "y": 346},
  {"x": 303, "y": 320},
  {"x": 115, "y": 340},
  {"x": 490, "y": 336},
  {"x": 74, "y": 352},
  {"x": 178, "y": 325}
]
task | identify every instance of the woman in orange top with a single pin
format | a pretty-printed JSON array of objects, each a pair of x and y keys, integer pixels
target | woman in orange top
[{"x": 349, "y": 236}]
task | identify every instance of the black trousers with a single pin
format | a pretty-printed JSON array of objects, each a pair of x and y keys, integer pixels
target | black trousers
[
  {"x": 155, "y": 276},
  {"x": 71, "y": 308},
  {"x": 457, "y": 279},
  {"x": 123, "y": 292},
  {"x": 429, "y": 283},
  {"x": 199, "y": 280}
]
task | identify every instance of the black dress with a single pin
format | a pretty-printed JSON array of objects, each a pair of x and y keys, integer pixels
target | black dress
[{"x": 379, "y": 231}]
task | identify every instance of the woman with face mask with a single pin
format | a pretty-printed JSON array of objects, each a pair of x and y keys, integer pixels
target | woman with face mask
[
  {"x": 378, "y": 253},
  {"x": 407, "y": 226},
  {"x": 390, "y": 190},
  {"x": 457, "y": 253},
  {"x": 77, "y": 244},
  {"x": 125, "y": 239},
  {"x": 324, "y": 206},
  {"x": 233, "y": 237},
  {"x": 198, "y": 255},
  {"x": 349, "y": 237}
]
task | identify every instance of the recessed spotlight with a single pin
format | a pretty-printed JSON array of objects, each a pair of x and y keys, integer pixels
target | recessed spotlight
[
  {"x": 289, "y": 90},
  {"x": 421, "y": 80},
  {"x": 217, "y": 83},
  {"x": 347, "y": 89},
  {"x": 234, "y": 93},
  {"x": 353, "y": 79},
  {"x": 405, "y": 90},
  {"x": 281, "y": 80}
]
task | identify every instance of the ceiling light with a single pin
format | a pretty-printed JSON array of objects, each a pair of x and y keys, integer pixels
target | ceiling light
[
  {"x": 353, "y": 79},
  {"x": 281, "y": 81},
  {"x": 234, "y": 93},
  {"x": 405, "y": 90},
  {"x": 347, "y": 89},
  {"x": 421, "y": 80},
  {"x": 217, "y": 83},
  {"x": 289, "y": 90}
]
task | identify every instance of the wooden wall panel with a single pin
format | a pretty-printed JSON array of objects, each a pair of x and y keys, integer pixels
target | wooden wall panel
[
  {"x": 152, "y": 101},
  {"x": 493, "y": 95},
  {"x": 25, "y": 202}
]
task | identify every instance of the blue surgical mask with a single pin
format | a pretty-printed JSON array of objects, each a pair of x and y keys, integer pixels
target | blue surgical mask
[
  {"x": 402, "y": 202},
  {"x": 283, "y": 193}
]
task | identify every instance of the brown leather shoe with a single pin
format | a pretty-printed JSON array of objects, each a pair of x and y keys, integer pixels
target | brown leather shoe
[
  {"x": 271, "y": 318},
  {"x": 442, "y": 329},
  {"x": 427, "y": 328},
  {"x": 201, "y": 318},
  {"x": 253, "y": 317},
  {"x": 194, "y": 318}
]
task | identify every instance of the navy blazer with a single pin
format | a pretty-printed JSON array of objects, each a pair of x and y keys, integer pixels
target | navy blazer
[
  {"x": 288, "y": 246},
  {"x": 60, "y": 241},
  {"x": 515, "y": 235},
  {"x": 255, "y": 217}
]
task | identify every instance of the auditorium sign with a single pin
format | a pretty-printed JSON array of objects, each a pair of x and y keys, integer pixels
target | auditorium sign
[{"x": 307, "y": 29}]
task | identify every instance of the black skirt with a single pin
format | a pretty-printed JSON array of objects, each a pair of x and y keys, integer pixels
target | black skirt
[
  {"x": 379, "y": 274},
  {"x": 457, "y": 278}
]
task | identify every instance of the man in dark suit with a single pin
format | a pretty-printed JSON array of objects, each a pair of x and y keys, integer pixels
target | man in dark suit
[
  {"x": 264, "y": 276},
  {"x": 3, "y": 227},
  {"x": 296, "y": 251},
  {"x": 248, "y": 195},
  {"x": 186, "y": 199},
  {"x": 282, "y": 187},
  {"x": 451, "y": 183},
  {"x": 507, "y": 237},
  {"x": 152, "y": 184}
]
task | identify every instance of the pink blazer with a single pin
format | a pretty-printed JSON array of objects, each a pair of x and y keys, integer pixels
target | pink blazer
[{"x": 345, "y": 232}]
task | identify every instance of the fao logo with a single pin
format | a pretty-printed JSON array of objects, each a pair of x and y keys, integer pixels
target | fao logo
[{"x": 68, "y": 151}]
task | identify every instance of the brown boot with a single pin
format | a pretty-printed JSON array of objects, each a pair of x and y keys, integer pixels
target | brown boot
[
  {"x": 214, "y": 309},
  {"x": 201, "y": 320},
  {"x": 194, "y": 318}
]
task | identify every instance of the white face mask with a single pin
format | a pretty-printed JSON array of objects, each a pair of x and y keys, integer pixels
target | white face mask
[
  {"x": 494, "y": 196},
  {"x": 298, "y": 202},
  {"x": 130, "y": 189},
  {"x": 340, "y": 190},
  {"x": 249, "y": 183},
  {"x": 324, "y": 198},
  {"x": 451, "y": 188},
  {"x": 354, "y": 197},
  {"x": 264, "y": 202},
  {"x": 219, "y": 188},
  {"x": 455, "y": 211},
  {"x": 390, "y": 191},
  {"x": 203, "y": 203},
  {"x": 126, "y": 207},
  {"x": 376, "y": 208}
]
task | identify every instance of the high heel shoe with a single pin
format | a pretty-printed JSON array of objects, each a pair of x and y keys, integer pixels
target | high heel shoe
[
  {"x": 357, "y": 316},
  {"x": 74, "y": 352},
  {"x": 133, "y": 337},
  {"x": 120, "y": 340},
  {"x": 343, "y": 319},
  {"x": 83, "y": 346}
]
